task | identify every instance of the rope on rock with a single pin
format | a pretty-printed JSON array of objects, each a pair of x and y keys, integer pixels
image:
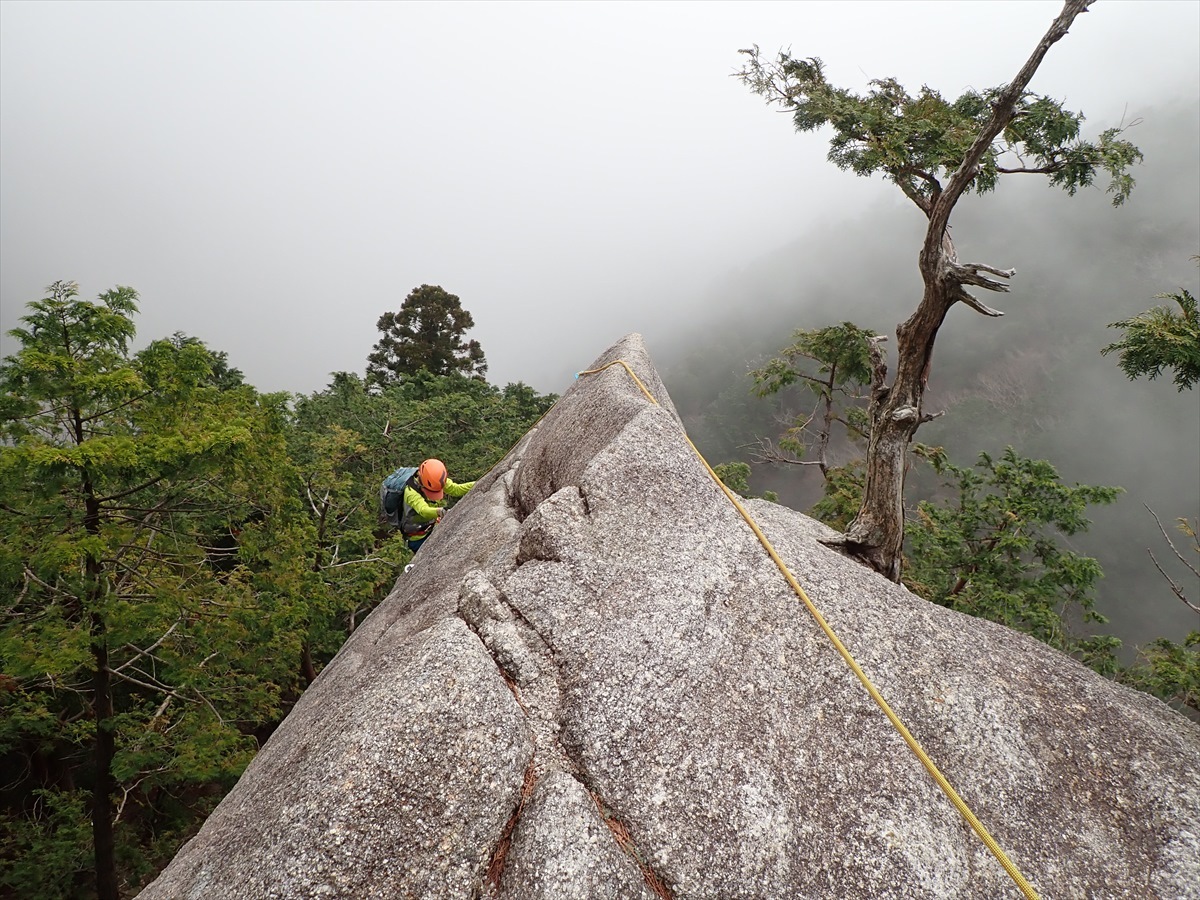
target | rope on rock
[{"x": 913, "y": 744}]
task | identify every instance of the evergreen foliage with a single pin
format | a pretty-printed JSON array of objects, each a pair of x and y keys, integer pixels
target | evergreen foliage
[
  {"x": 1155, "y": 340},
  {"x": 993, "y": 545},
  {"x": 179, "y": 557},
  {"x": 132, "y": 678},
  {"x": 935, "y": 151},
  {"x": 736, "y": 477},
  {"x": 833, "y": 364},
  {"x": 918, "y": 141},
  {"x": 1170, "y": 671},
  {"x": 426, "y": 335},
  {"x": 344, "y": 441},
  {"x": 841, "y": 495},
  {"x": 995, "y": 548},
  {"x": 1159, "y": 339}
]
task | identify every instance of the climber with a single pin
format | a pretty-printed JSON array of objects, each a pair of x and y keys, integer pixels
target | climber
[{"x": 412, "y": 499}]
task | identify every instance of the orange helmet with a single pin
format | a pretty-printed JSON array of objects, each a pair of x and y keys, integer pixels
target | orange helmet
[{"x": 432, "y": 477}]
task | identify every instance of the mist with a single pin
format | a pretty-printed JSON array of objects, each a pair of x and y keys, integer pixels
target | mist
[
  {"x": 1034, "y": 379},
  {"x": 272, "y": 177}
]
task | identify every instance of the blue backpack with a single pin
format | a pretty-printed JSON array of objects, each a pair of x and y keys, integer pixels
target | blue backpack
[{"x": 391, "y": 494}]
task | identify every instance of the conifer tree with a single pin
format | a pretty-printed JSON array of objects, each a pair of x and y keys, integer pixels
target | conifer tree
[
  {"x": 934, "y": 151},
  {"x": 834, "y": 365},
  {"x": 1160, "y": 339},
  {"x": 427, "y": 334},
  {"x": 129, "y": 665},
  {"x": 1156, "y": 340}
]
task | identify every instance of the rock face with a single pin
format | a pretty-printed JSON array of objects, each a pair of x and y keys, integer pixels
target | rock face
[{"x": 596, "y": 684}]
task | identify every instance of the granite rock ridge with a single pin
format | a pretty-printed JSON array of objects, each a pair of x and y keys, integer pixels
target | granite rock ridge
[{"x": 596, "y": 684}]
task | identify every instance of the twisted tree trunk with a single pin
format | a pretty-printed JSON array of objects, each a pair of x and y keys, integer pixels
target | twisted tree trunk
[{"x": 877, "y": 533}]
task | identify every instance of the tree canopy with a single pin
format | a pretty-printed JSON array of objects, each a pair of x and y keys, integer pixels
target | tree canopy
[
  {"x": 920, "y": 141},
  {"x": 1161, "y": 339},
  {"x": 426, "y": 335},
  {"x": 1154, "y": 340},
  {"x": 989, "y": 540},
  {"x": 833, "y": 364},
  {"x": 133, "y": 670},
  {"x": 995, "y": 547},
  {"x": 179, "y": 557}
]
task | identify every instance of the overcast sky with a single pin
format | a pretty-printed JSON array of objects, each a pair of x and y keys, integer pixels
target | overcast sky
[{"x": 271, "y": 177}]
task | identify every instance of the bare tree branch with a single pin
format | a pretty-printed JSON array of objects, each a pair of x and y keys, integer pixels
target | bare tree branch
[
  {"x": 208, "y": 703},
  {"x": 981, "y": 308},
  {"x": 1039, "y": 170},
  {"x": 969, "y": 274},
  {"x": 158, "y": 713},
  {"x": 149, "y": 651},
  {"x": 126, "y": 791},
  {"x": 878, "y": 366},
  {"x": 910, "y": 190},
  {"x": 768, "y": 452},
  {"x": 312, "y": 502},
  {"x": 133, "y": 490},
  {"x": 153, "y": 687},
  {"x": 1175, "y": 589},
  {"x": 29, "y": 576},
  {"x": 1171, "y": 543},
  {"x": 351, "y": 562},
  {"x": 113, "y": 409}
]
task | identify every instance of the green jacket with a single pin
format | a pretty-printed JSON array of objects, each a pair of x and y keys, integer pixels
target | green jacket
[{"x": 420, "y": 512}]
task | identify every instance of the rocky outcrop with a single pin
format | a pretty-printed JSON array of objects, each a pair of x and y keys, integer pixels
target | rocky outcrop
[{"x": 596, "y": 684}]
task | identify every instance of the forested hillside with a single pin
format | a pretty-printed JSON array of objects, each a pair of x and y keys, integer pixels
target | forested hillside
[
  {"x": 1034, "y": 379},
  {"x": 181, "y": 555}
]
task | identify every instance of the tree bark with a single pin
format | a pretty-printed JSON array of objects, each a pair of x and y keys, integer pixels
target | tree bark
[
  {"x": 104, "y": 743},
  {"x": 308, "y": 670},
  {"x": 104, "y": 749},
  {"x": 103, "y": 841},
  {"x": 877, "y": 533}
]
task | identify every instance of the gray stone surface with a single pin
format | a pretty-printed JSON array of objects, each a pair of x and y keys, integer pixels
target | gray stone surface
[
  {"x": 563, "y": 849},
  {"x": 597, "y": 684}
]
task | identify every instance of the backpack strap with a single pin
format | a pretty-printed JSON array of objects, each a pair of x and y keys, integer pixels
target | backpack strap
[
  {"x": 391, "y": 495},
  {"x": 409, "y": 524}
]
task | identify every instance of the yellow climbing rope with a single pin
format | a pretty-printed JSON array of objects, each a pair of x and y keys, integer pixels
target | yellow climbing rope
[{"x": 913, "y": 744}]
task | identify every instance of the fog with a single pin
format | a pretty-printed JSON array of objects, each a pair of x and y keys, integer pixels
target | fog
[
  {"x": 1034, "y": 379},
  {"x": 271, "y": 177}
]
